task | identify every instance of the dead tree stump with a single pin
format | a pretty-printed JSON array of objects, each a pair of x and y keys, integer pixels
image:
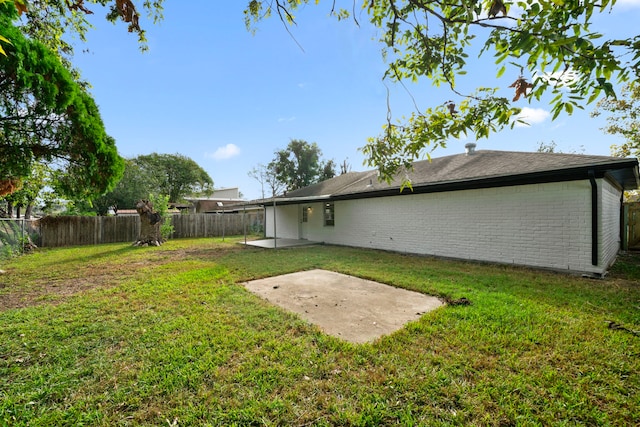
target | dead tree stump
[{"x": 150, "y": 222}]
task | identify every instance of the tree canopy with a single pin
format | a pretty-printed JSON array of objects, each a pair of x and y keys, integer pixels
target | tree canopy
[
  {"x": 174, "y": 175},
  {"x": 623, "y": 119},
  {"x": 49, "y": 21},
  {"x": 46, "y": 116},
  {"x": 300, "y": 165},
  {"x": 550, "y": 50},
  {"x": 154, "y": 175},
  {"x": 134, "y": 185},
  {"x": 549, "y": 46},
  {"x": 33, "y": 187}
]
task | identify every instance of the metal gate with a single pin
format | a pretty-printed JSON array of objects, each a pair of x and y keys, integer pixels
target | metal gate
[{"x": 14, "y": 234}]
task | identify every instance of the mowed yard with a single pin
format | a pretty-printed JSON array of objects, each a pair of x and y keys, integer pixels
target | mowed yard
[{"x": 116, "y": 335}]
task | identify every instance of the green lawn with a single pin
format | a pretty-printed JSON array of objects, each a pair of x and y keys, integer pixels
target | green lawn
[{"x": 115, "y": 335}]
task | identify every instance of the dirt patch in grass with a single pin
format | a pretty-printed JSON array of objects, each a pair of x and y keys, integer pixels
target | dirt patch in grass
[
  {"x": 52, "y": 291},
  {"x": 53, "y": 284}
]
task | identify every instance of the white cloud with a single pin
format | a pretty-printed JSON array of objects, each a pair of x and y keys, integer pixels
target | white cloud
[
  {"x": 532, "y": 116},
  {"x": 226, "y": 152},
  {"x": 286, "y": 119}
]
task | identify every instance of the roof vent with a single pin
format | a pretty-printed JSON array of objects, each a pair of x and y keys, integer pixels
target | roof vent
[{"x": 470, "y": 148}]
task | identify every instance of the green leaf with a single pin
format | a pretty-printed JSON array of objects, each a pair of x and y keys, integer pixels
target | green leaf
[{"x": 3, "y": 40}]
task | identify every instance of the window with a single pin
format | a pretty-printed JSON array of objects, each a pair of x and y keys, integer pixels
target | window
[
  {"x": 329, "y": 214},
  {"x": 305, "y": 213}
]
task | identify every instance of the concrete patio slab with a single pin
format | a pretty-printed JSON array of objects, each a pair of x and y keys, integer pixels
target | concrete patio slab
[{"x": 350, "y": 308}]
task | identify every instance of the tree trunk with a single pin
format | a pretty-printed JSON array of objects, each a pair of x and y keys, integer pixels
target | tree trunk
[
  {"x": 150, "y": 222},
  {"x": 27, "y": 210}
]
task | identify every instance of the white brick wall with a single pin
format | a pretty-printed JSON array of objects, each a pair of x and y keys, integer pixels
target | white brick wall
[
  {"x": 286, "y": 221},
  {"x": 609, "y": 225},
  {"x": 540, "y": 225}
]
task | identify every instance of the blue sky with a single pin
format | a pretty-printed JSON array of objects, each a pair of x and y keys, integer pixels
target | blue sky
[{"x": 210, "y": 90}]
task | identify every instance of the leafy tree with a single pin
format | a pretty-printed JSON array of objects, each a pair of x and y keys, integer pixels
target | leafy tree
[
  {"x": 155, "y": 174},
  {"x": 20, "y": 6},
  {"x": 135, "y": 184},
  {"x": 299, "y": 165},
  {"x": 175, "y": 175},
  {"x": 546, "y": 46},
  {"x": 328, "y": 170},
  {"x": 33, "y": 187},
  {"x": 623, "y": 120},
  {"x": 45, "y": 116},
  {"x": 49, "y": 21}
]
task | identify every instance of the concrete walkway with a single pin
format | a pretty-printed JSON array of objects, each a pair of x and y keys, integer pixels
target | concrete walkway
[{"x": 280, "y": 243}]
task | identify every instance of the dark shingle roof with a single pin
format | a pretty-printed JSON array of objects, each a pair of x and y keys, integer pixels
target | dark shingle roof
[{"x": 482, "y": 168}]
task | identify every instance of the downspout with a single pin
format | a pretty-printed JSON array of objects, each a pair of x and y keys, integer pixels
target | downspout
[
  {"x": 594, "y": 217},
  {"x": 624, "y": 223}
]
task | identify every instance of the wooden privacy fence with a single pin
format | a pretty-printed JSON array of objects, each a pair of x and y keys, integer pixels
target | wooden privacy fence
[
  {"x": 632, "y": 219},
  {"x": 82, "y": 230}
]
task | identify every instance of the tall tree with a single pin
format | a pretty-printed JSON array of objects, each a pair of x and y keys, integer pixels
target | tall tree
[
  {"x": 300, "y": 165},
  {"x": 544, "y": 47},
  {"x": 623, "y": 119},
  {"x": 45, "y": 116},
  {"x": 33, "y": 187},
  {"x": 175, "y": 175},
  {"x": 328, "y": 170},
  {"x": 136, "y": 184},
  {"x": 159, "y": 174}
]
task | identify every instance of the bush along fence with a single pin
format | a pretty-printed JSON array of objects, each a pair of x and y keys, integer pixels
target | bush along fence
[{"x": 56, "y": 231}]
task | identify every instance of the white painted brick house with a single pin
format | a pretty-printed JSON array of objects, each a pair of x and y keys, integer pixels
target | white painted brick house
[{"x": 547, "y": 210}]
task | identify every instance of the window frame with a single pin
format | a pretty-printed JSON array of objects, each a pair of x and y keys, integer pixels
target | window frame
[{"x": 329, "y": 214}]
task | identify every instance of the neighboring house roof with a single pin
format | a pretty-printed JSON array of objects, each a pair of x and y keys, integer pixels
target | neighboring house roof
[
  {"x": 127, "y": 212},
  {"x": 213, "y": 199},
  {"x": 479, "y": 169}
]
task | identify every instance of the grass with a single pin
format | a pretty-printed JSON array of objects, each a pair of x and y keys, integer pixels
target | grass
[{"x": 114, "y": 335}]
